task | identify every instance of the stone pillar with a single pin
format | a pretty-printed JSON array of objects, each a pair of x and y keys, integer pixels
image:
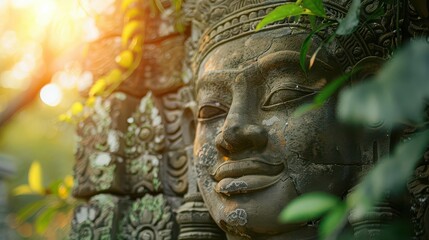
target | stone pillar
[{"x": 133, "y": 149}]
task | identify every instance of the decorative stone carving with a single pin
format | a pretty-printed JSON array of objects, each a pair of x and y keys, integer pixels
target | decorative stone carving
[
  {"x": 100, "y": 153},
  {"x": 234, "y": 90},
  {"x": 419, "y": 189},
  {"x": 95, "y": 220},
  {"x": 145, "y": 140},
  {"x": 195, "y": 220},
  {"x": 148, "y": 218},
  {"x": 135, "y": 144}
]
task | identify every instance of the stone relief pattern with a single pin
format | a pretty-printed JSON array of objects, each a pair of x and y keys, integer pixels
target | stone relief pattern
[
  {"x": 195, "y": 220},
  {"x": 158, "y": 76},
  {"x": 145, "y": 141},
  {"x": 100, "y": 146},
  {"x": 374, "y": 38},
  {"x": 177, "y": 161},
  {"x": 95, "y": 220},
  {"x": 148, "y": 218},
  {"x": 120, "y": 147},
  {"x": 417, "y": 26},
  {"x": 419, "y": 189}
]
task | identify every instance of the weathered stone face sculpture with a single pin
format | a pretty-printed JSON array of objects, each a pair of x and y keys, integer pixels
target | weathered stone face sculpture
[{"x": 252, "y": 156}]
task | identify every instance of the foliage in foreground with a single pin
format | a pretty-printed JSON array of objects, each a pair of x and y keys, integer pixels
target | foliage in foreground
[
  {"x": 55, "y": 199},
  {"x": 396, "y": 95}
]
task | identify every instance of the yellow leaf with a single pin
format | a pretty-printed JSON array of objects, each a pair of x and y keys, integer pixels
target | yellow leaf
[
  {"x": 64, "y": 118},
  {"x": 76, "y": 108},
  {"x": 313, "y": 58},
  {"x": 98, "y": 87},
  {"x": 125, "y": 59},
  {"x": 115, "y": 76},
  {"x": 133, "y": 13},
  {"x": 35, "y": 177},
  {"x": 63, "y": 192},
  {"x": 137, "y": 44},
  {"x": 22, "y": 190},
  {"x": 90, "y": 101},
  {"x": 68, "y": 181},
  {"x": 129, "y": 30},
  {"x": 126, "y": 3}
]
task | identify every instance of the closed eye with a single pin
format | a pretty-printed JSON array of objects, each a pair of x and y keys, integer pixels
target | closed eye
[
  {"x": 286, "y": 95},
  {"x": 211, "y": 111}
]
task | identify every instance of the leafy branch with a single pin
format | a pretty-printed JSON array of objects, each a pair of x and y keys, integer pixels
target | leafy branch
[
  {"x": 128, "y": 60},
  {"x": 56, "y": 198}
]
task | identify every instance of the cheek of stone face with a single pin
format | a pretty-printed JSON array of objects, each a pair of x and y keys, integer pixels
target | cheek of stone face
[{"x": 206, "y": 159}]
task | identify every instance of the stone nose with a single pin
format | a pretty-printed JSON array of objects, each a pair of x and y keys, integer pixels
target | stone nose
[{"x": 239, "y": 137}]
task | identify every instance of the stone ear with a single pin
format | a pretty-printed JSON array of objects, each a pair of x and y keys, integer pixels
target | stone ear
[
  {"x": 366, "y": 68},
  {"x": 188, "y": 123}
]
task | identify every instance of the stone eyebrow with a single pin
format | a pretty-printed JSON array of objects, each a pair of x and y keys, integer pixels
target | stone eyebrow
[
  {"x": 214, "y": 77},
  {"x": 281, "y": 59}
]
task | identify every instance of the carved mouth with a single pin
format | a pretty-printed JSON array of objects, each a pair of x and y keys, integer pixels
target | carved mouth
[{"x": 246, "y": 175}]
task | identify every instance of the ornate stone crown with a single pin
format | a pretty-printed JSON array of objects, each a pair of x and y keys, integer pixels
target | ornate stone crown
[{"x": 218, "y": 21}]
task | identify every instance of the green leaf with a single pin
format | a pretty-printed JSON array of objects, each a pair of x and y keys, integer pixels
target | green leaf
[
  {"x": 308, "y": 207},
  {"x": 331, "y": 88},
  {"x": 304, "y": 108},
  {"x": 53, "y": 186},
  {"x": 333, "y": 221},
  {"x": 280, "y": 13},
  {"x": 315, "y": 6},
  {"x": 29, "y": 210},
  {"x": 389, "y": 173},
  {"x": 351, "y": 21},
  {"x": 307, "y": 43},
  {"x": 304, "y": 50},
  {"x": 44, "y": 219},
  {"x": 396, "y": 94},
  {"x": 322, "y": 96},
  {"x": 312, "y": 20}
]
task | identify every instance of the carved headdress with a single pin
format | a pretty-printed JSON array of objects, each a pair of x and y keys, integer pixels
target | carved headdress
[{"x": 218, "y": 21}]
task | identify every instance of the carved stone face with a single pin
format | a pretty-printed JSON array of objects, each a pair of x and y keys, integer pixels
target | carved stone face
[{"x": 252, "y": 156}]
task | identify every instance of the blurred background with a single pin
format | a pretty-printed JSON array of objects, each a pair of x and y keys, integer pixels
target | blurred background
[{"x": 41, "y": 42}]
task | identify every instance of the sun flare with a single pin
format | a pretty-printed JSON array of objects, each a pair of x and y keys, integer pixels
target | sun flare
[{"x": 51, "y": 94}]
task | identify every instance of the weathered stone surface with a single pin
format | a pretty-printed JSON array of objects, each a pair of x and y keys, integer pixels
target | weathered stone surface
[{"x": 204, "y": 128}]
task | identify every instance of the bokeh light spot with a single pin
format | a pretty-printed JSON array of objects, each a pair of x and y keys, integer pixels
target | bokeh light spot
[{"x": 51, "y": 95}]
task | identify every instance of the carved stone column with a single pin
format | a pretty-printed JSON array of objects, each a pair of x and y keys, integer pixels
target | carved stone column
[{"x": 131, "y": 158}]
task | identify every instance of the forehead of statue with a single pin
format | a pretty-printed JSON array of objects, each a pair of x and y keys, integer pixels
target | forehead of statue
[
  {"x": 241, "y": 52},
  {"x": 268, "y": 51}
]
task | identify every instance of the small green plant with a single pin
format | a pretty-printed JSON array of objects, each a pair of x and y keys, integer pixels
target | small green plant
[{"x": 55, "y": 198}]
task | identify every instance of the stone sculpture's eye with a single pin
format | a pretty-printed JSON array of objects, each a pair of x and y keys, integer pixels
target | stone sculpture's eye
[
  {"x": 211, "y": 111},
  {"x": 286, "y": 95}
]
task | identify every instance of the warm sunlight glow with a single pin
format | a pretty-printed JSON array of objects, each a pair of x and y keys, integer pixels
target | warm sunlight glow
[
  {"x": 51, "y": 95},
  {"x": 45, "y": 11},
  {"x": 3, "y": 3}
]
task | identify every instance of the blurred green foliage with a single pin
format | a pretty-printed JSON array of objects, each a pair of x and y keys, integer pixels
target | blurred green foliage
[
  {"x": 35, "y": 134},
  {"x": 397, "y": 94}
]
